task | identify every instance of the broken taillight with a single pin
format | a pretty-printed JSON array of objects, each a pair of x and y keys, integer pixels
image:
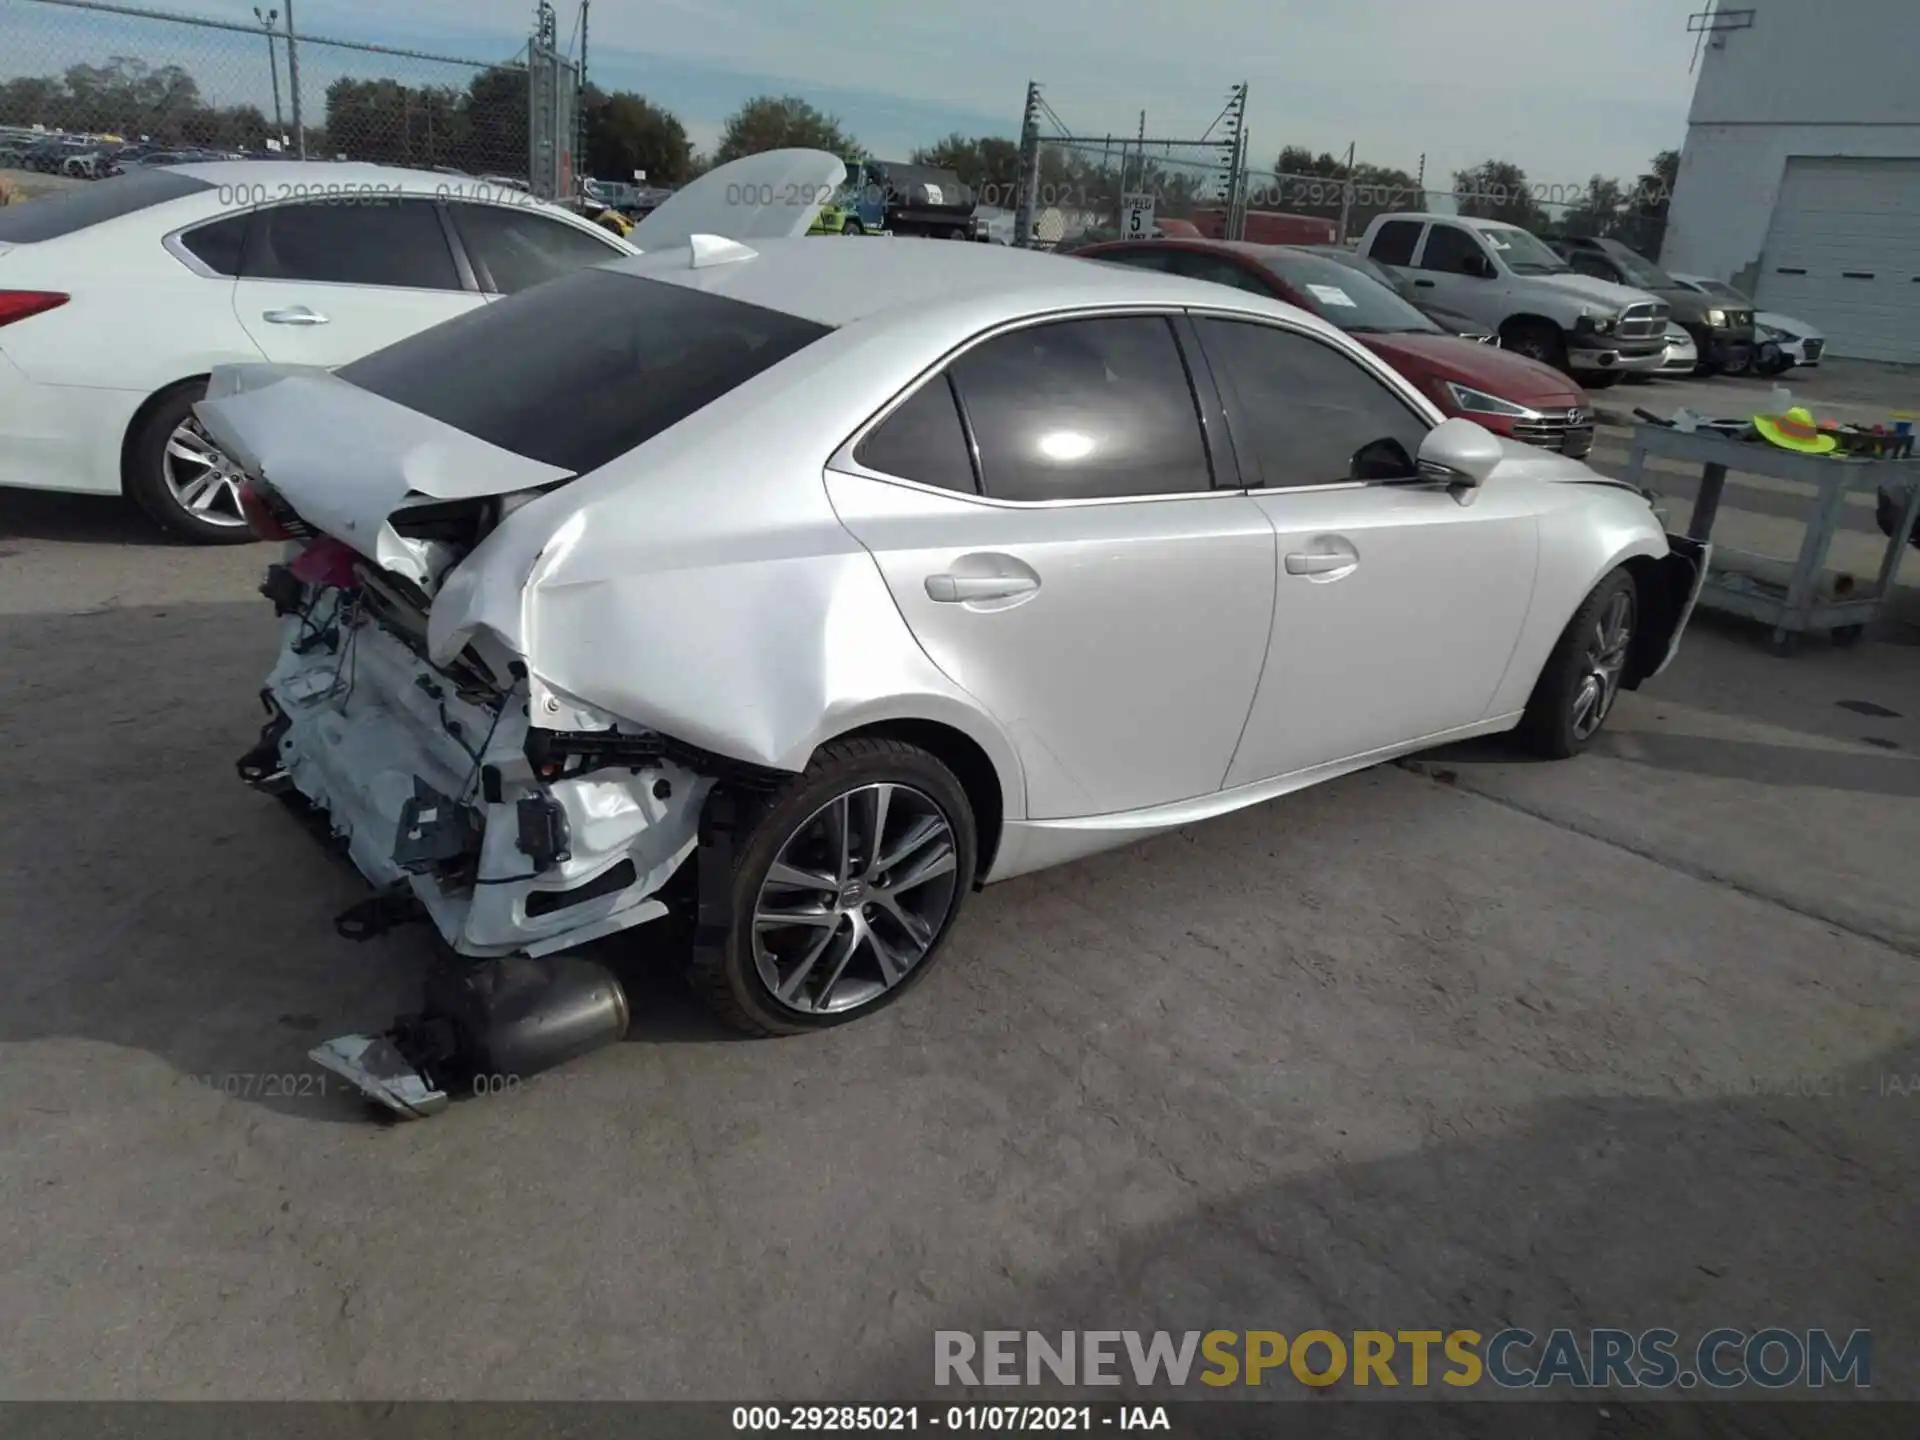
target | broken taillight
[
  {"x": 261, "y": 519},
  {"x": 19, "y": 304}
]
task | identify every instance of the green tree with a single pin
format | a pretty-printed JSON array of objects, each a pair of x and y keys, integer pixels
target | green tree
[
  {"x": 1498, "y": 190},
  {"x": 989, "y": 164},
  {"x": 626, "y": 132},
  {"x": 1599, "y": 212},
  {"x": 781, "y": 122}
]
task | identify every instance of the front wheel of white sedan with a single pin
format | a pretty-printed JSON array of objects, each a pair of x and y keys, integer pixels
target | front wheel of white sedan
[
  {"x": 178, "y": 476},
  {"x": 844, "y": 892},
  {"x": 1577, "y": 690}
]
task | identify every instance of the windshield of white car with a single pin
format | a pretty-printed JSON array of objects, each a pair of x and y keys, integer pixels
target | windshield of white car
[
  {"x": 1343, "y": 296},
  {"x": 582, "y": 369},
  {"x": 1524, "y": 254},
  {"x": 100, "y": 200}
]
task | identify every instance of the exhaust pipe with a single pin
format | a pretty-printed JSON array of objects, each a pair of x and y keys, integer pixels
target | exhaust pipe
[{"x": 483, "y": 1023}]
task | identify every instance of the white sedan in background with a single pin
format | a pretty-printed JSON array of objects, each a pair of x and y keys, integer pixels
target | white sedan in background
[
  {"x": 1798, "y": 341},
  {"x": 118, "y": 299}
]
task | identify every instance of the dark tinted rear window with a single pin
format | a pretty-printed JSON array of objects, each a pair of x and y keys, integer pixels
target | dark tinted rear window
[
  {"x": 580, "y": 370},
  {"x": 92, "y": 203}
]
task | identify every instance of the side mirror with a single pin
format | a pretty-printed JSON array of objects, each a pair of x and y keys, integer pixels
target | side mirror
[
  {"x": 1478, "y": 266},
  {"x": 1460, "y": 453}
]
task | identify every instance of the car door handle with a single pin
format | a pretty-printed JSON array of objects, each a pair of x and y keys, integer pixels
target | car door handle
[
  {"x": 1299, "y": 564},
  {"x": 1424, "y": 284},
  {"x": 294, "y": 315},
  {"x": 959, "y": 589}
]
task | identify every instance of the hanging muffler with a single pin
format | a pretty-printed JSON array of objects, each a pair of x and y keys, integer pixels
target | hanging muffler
[{"x": 483, "y": 1025}]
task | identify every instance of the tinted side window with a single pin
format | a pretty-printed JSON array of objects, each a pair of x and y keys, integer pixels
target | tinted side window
[
  {"x": 923, "y": 441},
  {"x": 519, "y": 247},
  {"x": 384, "y": 242},
  {"x": 1084, "y": 409},
  {"x": 1393, "y": 243},
  {"x": 1451, "y": 249},
  {"x": 218, "y": 246},
  {"x": 1585, "y": 262},
  {"x": 1300, "y": 410}
]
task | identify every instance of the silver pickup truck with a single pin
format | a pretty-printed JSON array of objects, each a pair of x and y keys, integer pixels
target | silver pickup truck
[{"x": 1513, "y": 283}]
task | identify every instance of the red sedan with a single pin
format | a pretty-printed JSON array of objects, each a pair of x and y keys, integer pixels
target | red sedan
[{"x": 1507, "y": 393}]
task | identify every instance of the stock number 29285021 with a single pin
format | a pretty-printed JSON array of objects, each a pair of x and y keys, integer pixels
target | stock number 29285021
[{"x": 826, "y": 1418}]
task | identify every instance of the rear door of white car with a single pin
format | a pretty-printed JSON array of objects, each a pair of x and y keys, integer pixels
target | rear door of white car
[
  {"x": 1397, "y": 606},
  {"x": 1045, "y": 512},
  {"x": 324, "y": 282}
]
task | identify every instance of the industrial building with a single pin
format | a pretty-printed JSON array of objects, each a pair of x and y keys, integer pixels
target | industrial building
[{"x": 1800, "y": 178}]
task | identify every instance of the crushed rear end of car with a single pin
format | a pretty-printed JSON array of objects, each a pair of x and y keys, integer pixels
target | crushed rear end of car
[{"x": 407, "y": 713}]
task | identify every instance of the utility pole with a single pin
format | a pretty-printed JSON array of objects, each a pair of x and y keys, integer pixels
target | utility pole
[
  {"x": 1029, "y": 168},
  {"x": 293, "y": 84},
  {"x": 267, "y": 22},
  {"x": 580, "y": 166},
  {"x": 1346, "y": 193}
]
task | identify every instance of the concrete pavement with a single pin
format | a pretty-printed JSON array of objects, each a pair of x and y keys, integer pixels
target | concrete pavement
[{"x": 1470, "y": 1041}]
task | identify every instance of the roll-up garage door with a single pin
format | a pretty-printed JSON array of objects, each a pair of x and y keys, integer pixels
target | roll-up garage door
[{"x": 1843, "y": 253}]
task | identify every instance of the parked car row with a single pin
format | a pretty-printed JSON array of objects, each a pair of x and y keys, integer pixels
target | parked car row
[
  {"x": 1588, "y": 306},
  {"x": 98, "y": 157}
]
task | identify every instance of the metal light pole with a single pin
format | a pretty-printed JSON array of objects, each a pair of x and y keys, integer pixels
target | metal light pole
[
  {"x": 293, "y": 84},
  {"x": 268, "y": 21}
]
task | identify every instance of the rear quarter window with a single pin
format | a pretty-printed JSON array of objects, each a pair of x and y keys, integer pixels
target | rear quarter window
[
  {"x": 93, "y": 204},
  {"x": 580, "y": 370}
]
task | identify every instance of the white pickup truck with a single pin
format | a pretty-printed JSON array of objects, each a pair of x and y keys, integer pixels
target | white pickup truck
[{"x": 1511, "y": 282}]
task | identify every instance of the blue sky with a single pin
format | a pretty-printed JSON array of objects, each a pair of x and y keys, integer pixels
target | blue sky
[{"x": 1563, "y": 89}]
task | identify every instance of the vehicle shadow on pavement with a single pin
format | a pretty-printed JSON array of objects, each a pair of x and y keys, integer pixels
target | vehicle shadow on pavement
[
  {"x": 1784, "y": 765},
  {"x": 1768, "y": 1200},
  {"x": 77, "y": 519},
  {"x": 155, "y": 903}
]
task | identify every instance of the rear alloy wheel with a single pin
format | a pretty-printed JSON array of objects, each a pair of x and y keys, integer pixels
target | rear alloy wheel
[
  {"x": 852, "y": 227},
  {"x": 181, "y": 479},
  {"x": 1576, "y": 692},
  {"x": 845, "y": 891}
]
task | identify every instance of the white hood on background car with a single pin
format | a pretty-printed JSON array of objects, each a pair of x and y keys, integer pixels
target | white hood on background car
[
  {"x": 347, "y": 459},
  {"x": 775, "y": 195},
  {"x": 1603, "y": 292}
]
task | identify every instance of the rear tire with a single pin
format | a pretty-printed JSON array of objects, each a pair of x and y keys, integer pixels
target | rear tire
[
  {"x": 193, "y": 500},
  {"x": 1577, "y": 690},
  {"x": 852, "y": 227},
  {"x": 884, "y": 905}
]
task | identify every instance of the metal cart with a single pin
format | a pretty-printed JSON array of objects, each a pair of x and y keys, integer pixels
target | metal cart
[{"x": 1798, "y": 605}]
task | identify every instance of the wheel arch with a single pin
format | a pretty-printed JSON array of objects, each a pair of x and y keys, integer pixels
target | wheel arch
[
  {"x": 145, "y": 411},
  {"x": 1530, "y": 317},
  {"x": 986, "y": 788}
]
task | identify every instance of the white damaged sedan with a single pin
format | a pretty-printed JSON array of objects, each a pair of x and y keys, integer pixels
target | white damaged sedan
[{"x": 804, "y": 587}]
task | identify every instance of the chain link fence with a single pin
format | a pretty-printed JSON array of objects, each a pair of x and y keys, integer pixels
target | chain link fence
[
  {"x": 82, "y": 77},
  {"x": 1081, "y": 187}
]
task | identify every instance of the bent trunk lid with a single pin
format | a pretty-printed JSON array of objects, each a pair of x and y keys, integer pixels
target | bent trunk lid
[
  {"x": 775, "y": 195},
  {"x": 347, "y": 460}
]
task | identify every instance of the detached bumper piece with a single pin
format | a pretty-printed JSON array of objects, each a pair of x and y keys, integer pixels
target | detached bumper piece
[{"x": 482, "y": 1024}]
